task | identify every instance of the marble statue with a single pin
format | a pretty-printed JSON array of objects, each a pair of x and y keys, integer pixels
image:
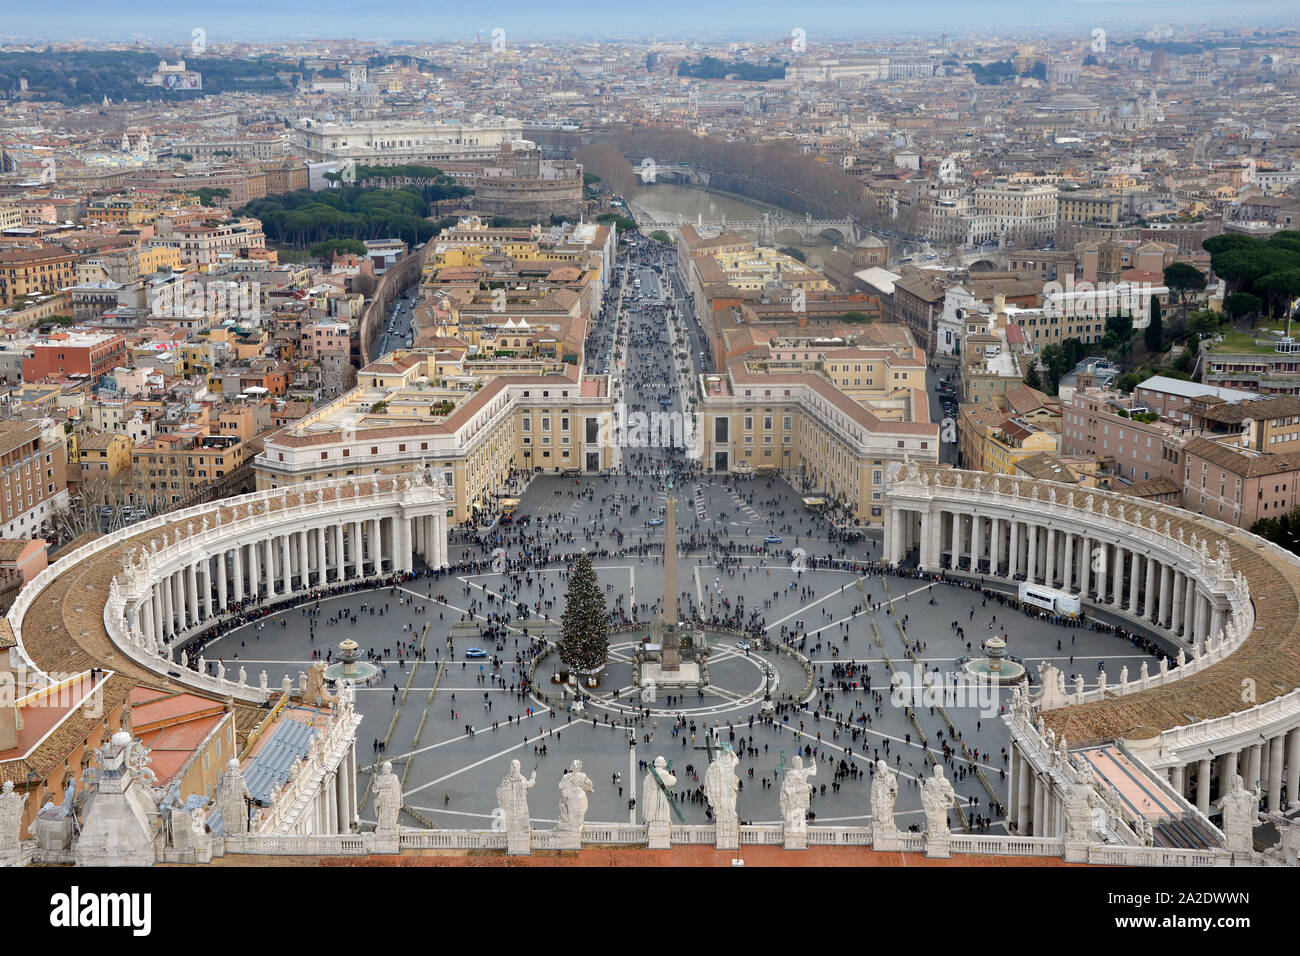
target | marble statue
[
  {"x": 655, "y": 806},
  {"x": 1078, "y": 804},
  {"x": 574, "y": 787},
  {"x": 388, "y": 798},
  {"x": 796, "y": 799},
  {"x": 512, "y": 806},
  {"x": 11, "y": 820},
  {"x": 720, "y": 787},
  {"x": 884, "y": 791},
  {"x": 937, "y": 795},
  {"x": 232, "y": 796},
  {"x": 1240, "y": 809}
]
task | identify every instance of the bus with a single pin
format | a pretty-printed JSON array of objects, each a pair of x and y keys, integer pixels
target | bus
[
  {"x": 509, "y": 506},
  {"x": 1049, "y": 599}
]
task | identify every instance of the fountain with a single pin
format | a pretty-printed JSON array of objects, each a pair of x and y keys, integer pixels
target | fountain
[
  {"x": 349, "y": 668},
  {"x": 995, "y": 667}
]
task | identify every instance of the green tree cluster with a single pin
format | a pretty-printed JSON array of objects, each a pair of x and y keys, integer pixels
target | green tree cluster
[
  {"x": 1268, "y": 269},
  {"x": 303, "y": 218}
]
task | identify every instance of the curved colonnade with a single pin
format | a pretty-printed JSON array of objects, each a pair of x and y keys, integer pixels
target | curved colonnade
[
  {"x": 1231, "y": 706},
  {"x": 144, "y": 592}
]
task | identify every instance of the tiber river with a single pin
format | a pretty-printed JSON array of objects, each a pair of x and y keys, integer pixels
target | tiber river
[{"x": 674, "y": 201}]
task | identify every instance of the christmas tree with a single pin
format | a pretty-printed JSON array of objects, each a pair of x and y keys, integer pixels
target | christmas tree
[{"x": 584, "y": 626}]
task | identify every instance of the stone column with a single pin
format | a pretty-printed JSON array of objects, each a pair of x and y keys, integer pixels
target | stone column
[
  {"x": 358, "y": 551},
  {"x": 254, "y": 572},
  {"x": 958, "y": 544},
  {"x": 1149, "y": 592},
  {"x": 1202, "y": 617},
  {"x": 444, "y": 559},
  {"x": 338, "y": 551},
  {"x": 341, "y": 817},
  {"x": 1040, "y": 811},
  {"x": 1162, "y": 612},
  {"x": 304, "y": 573},
  {"x": 1216, "y": 621},
  {"x": 977, "y": 542},
  {"x": 1135, "y": 577},
  {"x": 237, "y": 561},
  {"x": 1177, "y": 780},
  {"x": 1069, "y": 562},
  {"x": 321, "y": 565},
  {"x": 1031, "y": 571},
  {"x": 1275, "y": 773},
  {"x": 1013, "y": 547},
  {"x": 1252, "y": 767},
  {"x": 1085, "y": 568},
  {"x": 1189, "y": 608},
  {"x": 1203, "y": 786},
  {"x": 1116, "y": 575},
  {"x": 1292, "y": 766},
  {"x": 192, "y": 593},
  {"x": 1050, "y": 580},
  {"x": 223, "y": 587},
  {"x": 169, "y": 620},
  {"x": 995, "y": 546},
  {"x": 205, "y": 568},
  {"x": 377, "y": 552},
  {"x": 1178, "y": 600},
  {"x": 1023, "y": 795}
]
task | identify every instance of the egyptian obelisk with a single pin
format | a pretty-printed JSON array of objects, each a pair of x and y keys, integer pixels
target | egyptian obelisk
[{"x": 671, "y": 642}]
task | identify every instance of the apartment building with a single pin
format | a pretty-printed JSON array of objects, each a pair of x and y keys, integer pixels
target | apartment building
[
  {"x": 1104, "y": 423},
  {"x": 210, "y": 243},
  {"x": 32, "y": 268},
  {"x": 33, "y": 476},
  {"x": 74, "y": 353},
  {"x": 1239, "y": 486},
  {"x": 103, "y": 455},
  {"x": 1183, "y": 403},
  {"x": 1022, "y": 210},
  {"x": 172, "y": 466}
]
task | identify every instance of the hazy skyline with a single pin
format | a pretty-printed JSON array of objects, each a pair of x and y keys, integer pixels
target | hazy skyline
[{"x": 244, "y": 20}]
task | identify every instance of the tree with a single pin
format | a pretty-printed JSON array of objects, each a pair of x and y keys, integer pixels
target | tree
[
  {"x": 1031, "y": 375},
  {"x": 584, "y": 626},
  {"x": 332, "y": 247},
  {"x": 1241, "y": 304},
  {"x": 1155, "y": 330},
  {"x": 1282, "y": 286}
]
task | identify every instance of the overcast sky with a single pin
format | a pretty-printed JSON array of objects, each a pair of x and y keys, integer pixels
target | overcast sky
[{"x": 231, "y": 20}]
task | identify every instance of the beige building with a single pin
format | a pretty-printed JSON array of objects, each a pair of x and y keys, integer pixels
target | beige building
[
  {"x": 416, "y": 407},
  {"x": 839, "y": 418}
]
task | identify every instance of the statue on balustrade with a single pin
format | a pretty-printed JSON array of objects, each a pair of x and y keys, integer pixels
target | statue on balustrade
[
  {"x": 937, "y": 796},
  {"x": 720, "y": 787},
  {"x": 574, "y": 787},
  {"x": 655, "y": 805},
  {"x": 388, "y": 798},
  {"x": 512, "y": 806},
  {"x": 884, "y": 792},
  {"x": 796, "y": 796}
]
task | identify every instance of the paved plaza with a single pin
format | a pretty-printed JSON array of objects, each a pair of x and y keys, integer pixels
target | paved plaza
[
  {"x": 451, "y": 725},
  {"x": 450, "y": 776}
]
